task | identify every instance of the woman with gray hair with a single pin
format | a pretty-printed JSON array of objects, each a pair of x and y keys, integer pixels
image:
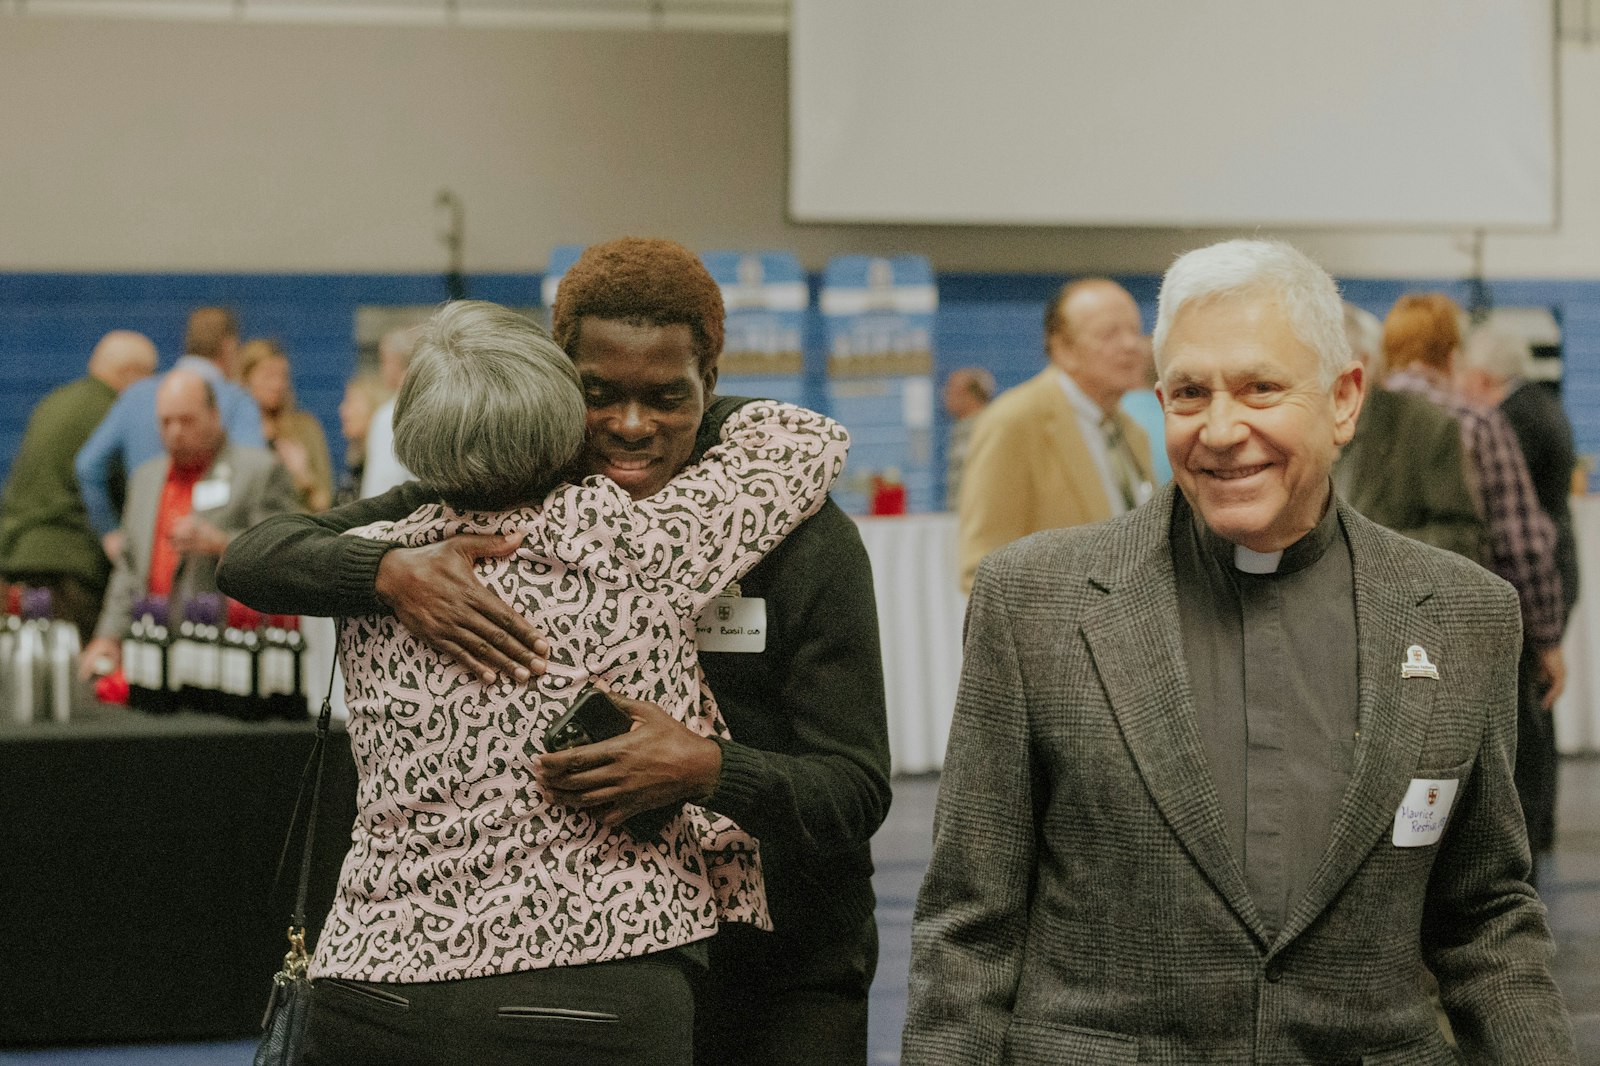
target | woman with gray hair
[{"x": 478, "y": 919}]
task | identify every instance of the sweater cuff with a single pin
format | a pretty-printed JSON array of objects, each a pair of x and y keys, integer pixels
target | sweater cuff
[
  {"x": 357, "y": 572},
  {"x": 739, "y": 784}
]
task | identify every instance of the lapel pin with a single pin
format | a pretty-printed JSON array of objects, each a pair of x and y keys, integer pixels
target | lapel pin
[{"x": 1416, "y": 664}]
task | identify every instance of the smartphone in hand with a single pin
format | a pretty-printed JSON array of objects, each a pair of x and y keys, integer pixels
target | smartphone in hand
[{"x": 594, "y": 716}]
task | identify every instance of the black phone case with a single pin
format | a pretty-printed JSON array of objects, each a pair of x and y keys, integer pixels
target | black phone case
[{"x": 595, "y": 713}]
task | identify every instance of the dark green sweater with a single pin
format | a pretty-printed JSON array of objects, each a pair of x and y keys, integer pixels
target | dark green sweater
[
  {"x": 808, "y": 769},
  {"x": 43, "y": 527}
]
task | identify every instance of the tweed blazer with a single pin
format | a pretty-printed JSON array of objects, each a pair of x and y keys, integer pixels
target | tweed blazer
[
  {"x": 258, "y": 488},
  {"x": 1028, "y": 468},
  {"x": 1083, "y": 904}
]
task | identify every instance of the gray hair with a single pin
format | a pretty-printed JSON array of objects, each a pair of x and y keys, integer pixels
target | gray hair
[
  {"x": 1364, "y": 331},
  {"x": 1498, "y": 353},
  {"x": 491, "y": 410},
  {"x": 1306, "y": 292}
]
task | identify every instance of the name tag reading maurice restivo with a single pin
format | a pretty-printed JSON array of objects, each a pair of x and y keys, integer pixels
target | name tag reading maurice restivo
[
  {"x": 732, "y": 623},
  {"x": 1424, "y": 812}
]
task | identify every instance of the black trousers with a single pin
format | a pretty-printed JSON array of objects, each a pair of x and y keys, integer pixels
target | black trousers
[
  {"x": 1537, "y": 763},
  {"x": 634, "y": 1011},
  {"x": 797, "y": 1000}
]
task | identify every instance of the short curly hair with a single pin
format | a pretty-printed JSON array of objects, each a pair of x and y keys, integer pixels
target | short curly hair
[{"x": 643, "y": 281}]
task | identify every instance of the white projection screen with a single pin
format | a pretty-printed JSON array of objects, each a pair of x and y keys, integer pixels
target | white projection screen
[{"x": 1359, "y": 113}]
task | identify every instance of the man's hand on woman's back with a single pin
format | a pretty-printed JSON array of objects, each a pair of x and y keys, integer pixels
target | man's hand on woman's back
[{"x": 435, "y": 594}]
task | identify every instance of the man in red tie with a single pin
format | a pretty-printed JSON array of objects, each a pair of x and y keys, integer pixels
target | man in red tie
[{"x": 183, "y": 508}]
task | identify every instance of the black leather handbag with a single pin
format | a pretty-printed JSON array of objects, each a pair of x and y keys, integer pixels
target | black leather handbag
[{"x": 284, "y": 1026}]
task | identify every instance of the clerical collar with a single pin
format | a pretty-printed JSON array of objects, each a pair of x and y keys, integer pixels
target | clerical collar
[
  {"x": 1297, "y": 556},
  {"x": 1252, "y": 562}
]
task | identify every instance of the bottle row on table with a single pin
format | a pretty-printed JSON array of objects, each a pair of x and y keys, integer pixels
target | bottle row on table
[{"x": 214, "y": 654}]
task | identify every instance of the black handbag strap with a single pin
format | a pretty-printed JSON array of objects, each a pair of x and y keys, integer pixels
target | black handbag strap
[{"x": 307, "y": 800}]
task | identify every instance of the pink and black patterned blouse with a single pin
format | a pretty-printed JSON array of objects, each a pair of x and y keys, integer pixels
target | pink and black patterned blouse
[{"x": 459, "y": 866}]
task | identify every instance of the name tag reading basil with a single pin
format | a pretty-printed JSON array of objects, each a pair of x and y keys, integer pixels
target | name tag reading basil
[{"x": 734, "y": 624}]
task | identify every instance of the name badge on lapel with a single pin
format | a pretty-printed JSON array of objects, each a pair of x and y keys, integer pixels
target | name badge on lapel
[
  {"x": 1417, "y": 664},
  {"x": 1424, "y": 812},
  {"x": 211, "y": 494},
  {"x": 732, "y": 622}
]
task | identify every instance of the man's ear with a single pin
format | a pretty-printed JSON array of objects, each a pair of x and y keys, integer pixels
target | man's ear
[
  {"x": 1349, "y": 389},
  {"x": 709, "y": 379}
]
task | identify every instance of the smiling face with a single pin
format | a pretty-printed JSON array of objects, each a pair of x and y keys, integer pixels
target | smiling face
[
  {"x": 645, "y": 395},
  {"x": 1251, "y": 430}
]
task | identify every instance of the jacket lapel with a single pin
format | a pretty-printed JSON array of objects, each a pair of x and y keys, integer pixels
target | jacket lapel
[
  {"x": 1141, "y": 667},
  {"x": 197, "y": 573},
  {"x": 1079, "y": 476},
  {"x": 1393, "y": 714},
  {"x": 143, "y": 508}
]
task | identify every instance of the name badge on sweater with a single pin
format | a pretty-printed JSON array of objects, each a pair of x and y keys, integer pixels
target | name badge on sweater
[
  {"x": 733, "y": 623},
  {"x": 1424, "y": 812},
  {"x": 210, "y": 494}
]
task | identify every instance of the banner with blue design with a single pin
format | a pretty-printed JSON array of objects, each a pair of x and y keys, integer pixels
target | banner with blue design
[
  {"x": 766, "y": 298},
  {"x": 878, "y": 318}
]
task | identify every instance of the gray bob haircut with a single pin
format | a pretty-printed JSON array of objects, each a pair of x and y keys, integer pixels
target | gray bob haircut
[
  {"x": 491, "y": 411},
  {"x": 1500, "y": 354},
  {"x": 1303, "y": 289}
]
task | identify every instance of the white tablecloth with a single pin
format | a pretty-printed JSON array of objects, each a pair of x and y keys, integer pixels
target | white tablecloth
[
  {"x": 919, "y": 616},
  {"x": 1578, "y": 710}
]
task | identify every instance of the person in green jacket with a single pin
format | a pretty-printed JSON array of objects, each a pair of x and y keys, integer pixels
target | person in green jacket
[
  {"x": 45, "y": 537},
  {"x": 1405, "y": 468}
]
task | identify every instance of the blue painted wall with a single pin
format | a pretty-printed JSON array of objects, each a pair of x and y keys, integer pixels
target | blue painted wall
[{"x": 49, "y": 323}]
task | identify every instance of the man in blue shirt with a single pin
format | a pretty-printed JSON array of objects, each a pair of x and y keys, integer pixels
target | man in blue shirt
[{"x": 129, "y": 436}]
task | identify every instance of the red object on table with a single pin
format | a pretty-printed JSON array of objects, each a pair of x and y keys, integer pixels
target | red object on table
[
  {"x": 242, "y": 617},
  {"x": 111, "y": 688},
  {"x": 888, "y": 497}
]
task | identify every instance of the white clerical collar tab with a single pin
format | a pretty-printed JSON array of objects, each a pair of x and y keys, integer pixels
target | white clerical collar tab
[{"x": 1256, "y": 562}]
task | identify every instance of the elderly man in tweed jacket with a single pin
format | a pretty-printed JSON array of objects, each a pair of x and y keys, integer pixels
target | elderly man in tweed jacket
[{"x": 1227, "y": 771}]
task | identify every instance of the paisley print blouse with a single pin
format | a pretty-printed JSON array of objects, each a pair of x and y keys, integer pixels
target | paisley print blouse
[{"x": 459, "y": 866}]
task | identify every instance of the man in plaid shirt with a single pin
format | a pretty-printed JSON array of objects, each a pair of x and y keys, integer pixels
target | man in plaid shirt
[{"x": 1421, "y": 337}]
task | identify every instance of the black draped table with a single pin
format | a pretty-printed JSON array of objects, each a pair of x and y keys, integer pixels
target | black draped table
[{"x": 137, "y": 856}]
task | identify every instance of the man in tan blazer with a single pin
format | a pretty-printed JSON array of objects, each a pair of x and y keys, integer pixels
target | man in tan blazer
[
  {"x": 1057, "y": 450},
  {"x": 1227, "y": 772}
]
